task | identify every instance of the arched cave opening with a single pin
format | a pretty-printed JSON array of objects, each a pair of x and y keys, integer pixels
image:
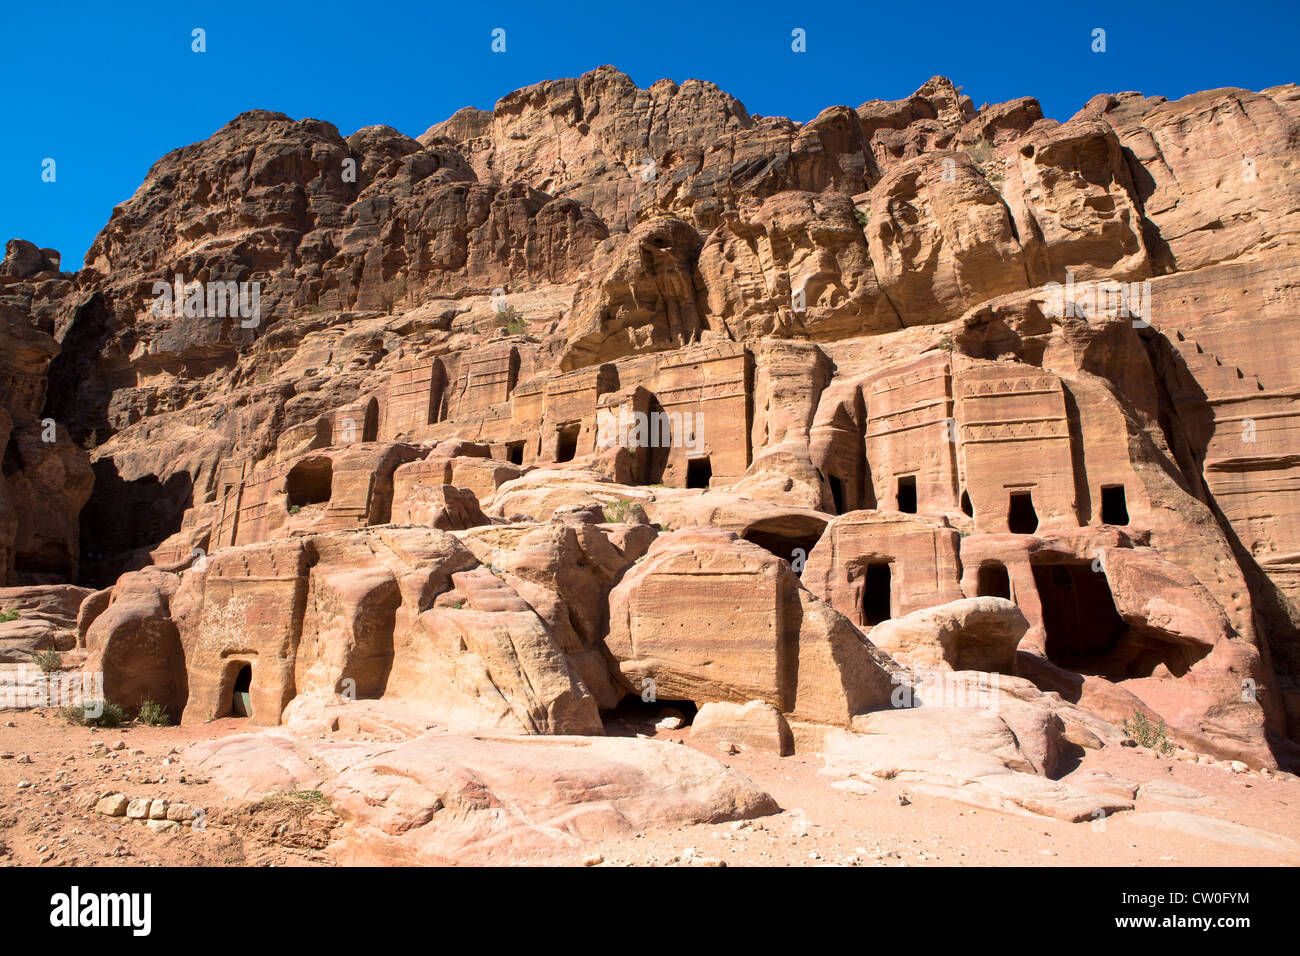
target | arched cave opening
[
  {"x": 788, "y": 545},
  {"x": 966, "y": 507},
  {"x": 1021, "y": 516},
  {"x": 631, "y": 715},
  {"x": 1079, "y": 615},
  {"x": 241, "y": 704},
  {"x": 993, "y": 580},
  {"x": 370, "y": 421},
  {"x": 566, "y": 442},
  {"x": 837, "y": 492},
  {"x": 877, "y": 594},
  {"x": 123, "y": 516},
  {"x": 310, "y": 482}
]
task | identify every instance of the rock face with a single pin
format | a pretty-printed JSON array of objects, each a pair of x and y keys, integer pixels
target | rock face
[
  {"x": 612, "y": 392},
  {"x": 45, "y": 479}
]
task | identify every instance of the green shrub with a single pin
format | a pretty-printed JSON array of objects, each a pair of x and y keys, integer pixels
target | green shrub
[
  {"x": 981, "y": 153},
  {"x": 862, "y": 217},
  {"x": 511, "y": 319},
  {"x": 48, "y": 661},
  {"x": 617, "y": 512},
  {"x": 7, "y": 616},
  {"x": 110, "y": 716},
  {"x": 152, "y": 713},
  {"x": 294, "y": 509},
  {"x": 1147, "y": 734}
]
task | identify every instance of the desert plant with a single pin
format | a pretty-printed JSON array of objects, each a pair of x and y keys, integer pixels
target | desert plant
[
  {"x": 48, "y": 661},
  {"x": 300, "y": 796},
  {"x": 7, "y": 616},
  {"x": 616, "y": 512},
  {"x": 509, "y": 318},
  {"x": 110, "y": 715},
  {"x": 152, "y": 713},
  {"x": 981, "y": 153},
  {"x": 979, "y": 150},
  {"x": 517, "y": 326},
  {"x": 294, "y": 509},
  {"x": 1146, "y": 734},
  {"x": 862, "y": 217}
]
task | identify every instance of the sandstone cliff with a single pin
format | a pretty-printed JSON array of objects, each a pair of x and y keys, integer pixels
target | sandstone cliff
[{"x": 897, "y": 357}]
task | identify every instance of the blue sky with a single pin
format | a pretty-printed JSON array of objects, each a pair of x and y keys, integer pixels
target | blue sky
[{"x": 105, "y": 90}]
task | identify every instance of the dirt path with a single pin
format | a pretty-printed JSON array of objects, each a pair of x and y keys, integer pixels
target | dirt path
[{"x": 51, "y": 774}]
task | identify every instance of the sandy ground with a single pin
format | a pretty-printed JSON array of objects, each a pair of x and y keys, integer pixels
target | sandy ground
[
  {"x": 49, "y": 822},
  {"x": 51, "y": 771},
  {"x": 821, "y": 824}
]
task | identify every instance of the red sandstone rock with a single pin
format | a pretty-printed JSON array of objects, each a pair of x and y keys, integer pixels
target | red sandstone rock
[{"x": 615, "y": 316}]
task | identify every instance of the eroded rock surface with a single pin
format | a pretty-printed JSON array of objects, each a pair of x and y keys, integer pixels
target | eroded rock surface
[{"x": 612, "y": 395}]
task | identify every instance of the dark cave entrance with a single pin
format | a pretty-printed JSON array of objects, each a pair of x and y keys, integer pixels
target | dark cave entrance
[
  {"x": 994, "y": 580},
  {"x": 1114, "y": 505},
  {"x": 837, "y": 492},
  {"x": 124, "y": 516},
  {"x": 1079, "y": 615},
  {"x": 877, "y": 594},
  {"x": 1021, "y": 516},
  {"x": 241, "y": 704},
  {"x": 566, "y": 443},
  {"x": 907, "y": 494},
  {"x": 634, "y": 712},
  {"x": 790, "y": 546},
  {"x": 515, "y": 452},
  {"x": 699, "y": 473},
  {"x": 310, "y": 482},
  {"x": 966, "y": 507},
  {"x": 13, "y": 460}
]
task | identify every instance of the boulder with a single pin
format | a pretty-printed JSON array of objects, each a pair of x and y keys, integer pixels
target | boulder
[
  {"x": 977, "y": 634},
  {"x": 710, "y": 617},
  {"x": 756, "y": 725}
]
